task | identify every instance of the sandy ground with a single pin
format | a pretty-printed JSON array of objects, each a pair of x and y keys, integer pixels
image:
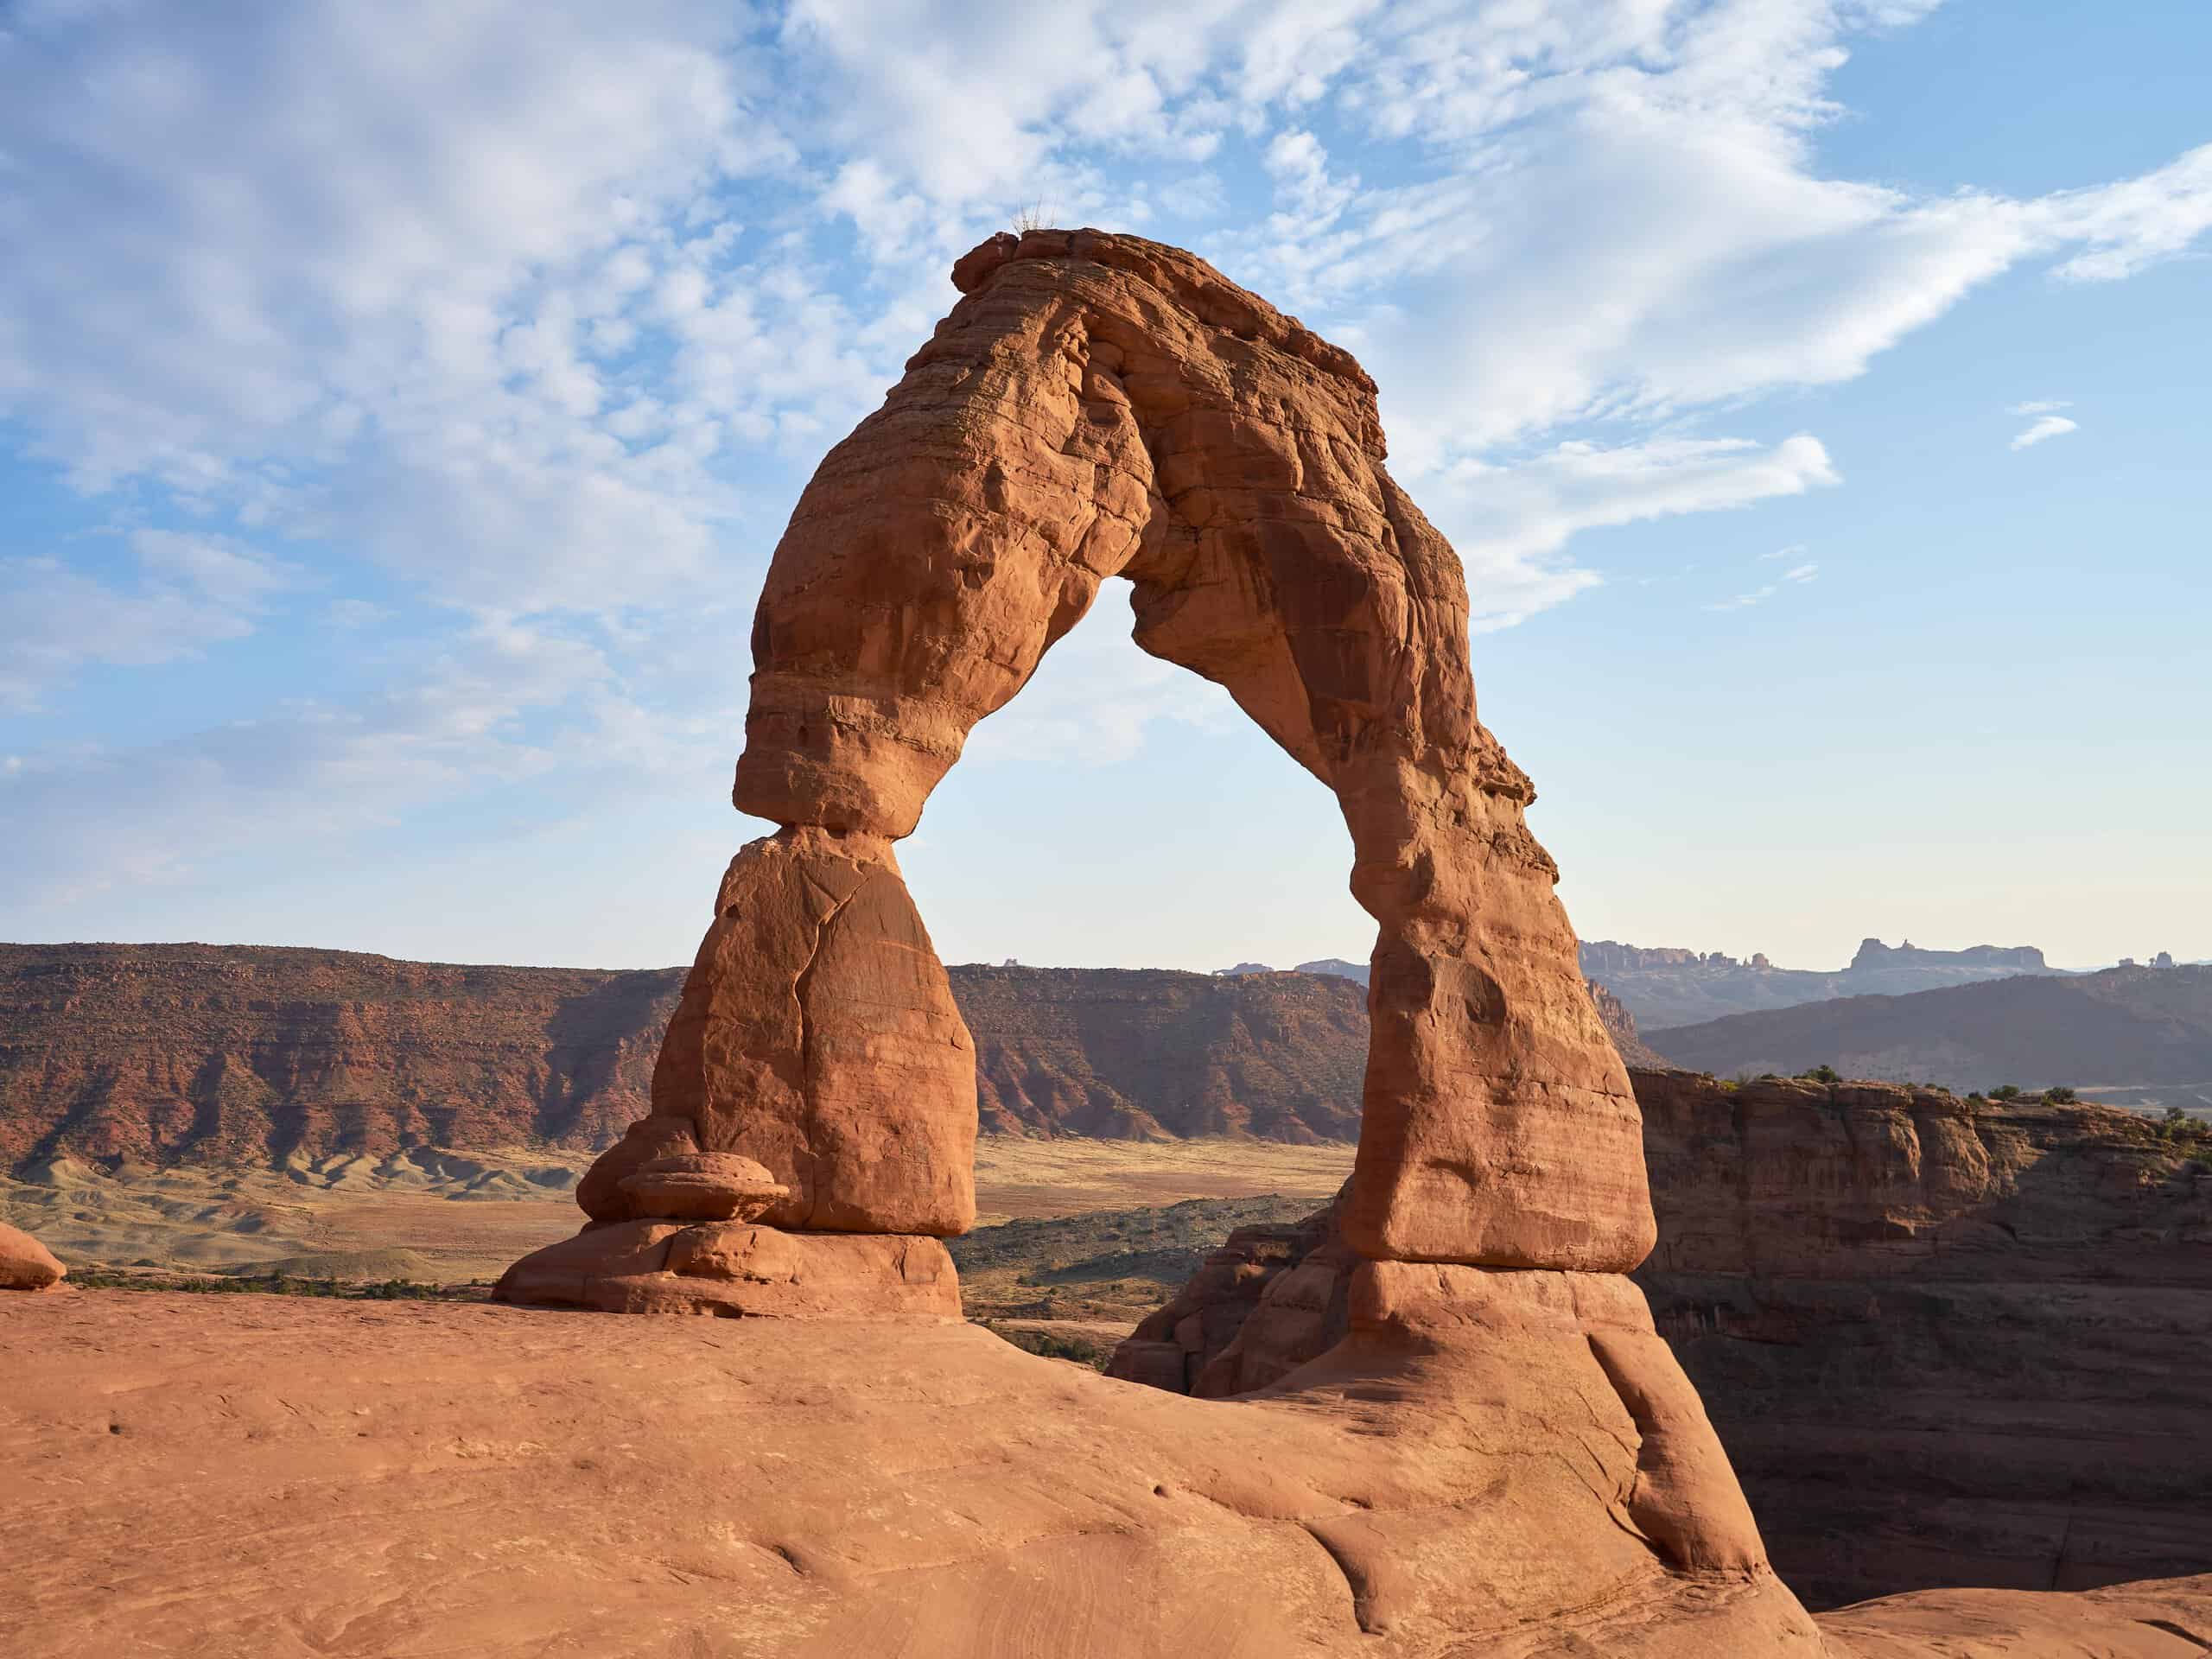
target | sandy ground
[{"x": 447, "y": 1217}]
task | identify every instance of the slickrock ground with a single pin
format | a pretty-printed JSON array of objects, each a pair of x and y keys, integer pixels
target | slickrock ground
[
  {"x": 268, "y": 1476},
  {"x": 278, "y": 1478}
]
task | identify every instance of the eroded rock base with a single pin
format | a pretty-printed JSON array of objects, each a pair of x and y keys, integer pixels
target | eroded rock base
[{"x": 738, "y": 1269}]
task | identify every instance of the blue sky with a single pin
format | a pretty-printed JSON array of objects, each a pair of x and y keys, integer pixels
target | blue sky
[{"x": 398, "y": 404}]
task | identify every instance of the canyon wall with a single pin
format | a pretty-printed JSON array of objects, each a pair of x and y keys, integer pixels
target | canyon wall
[
  {"x": 1945, "y": 1342},
  {"x": 1148, "y": 1054},
  {"x": 247, "y": 1055}
]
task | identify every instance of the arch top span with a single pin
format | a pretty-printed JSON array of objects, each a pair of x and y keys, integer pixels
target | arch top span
[{"x": 1099, "y": 405}]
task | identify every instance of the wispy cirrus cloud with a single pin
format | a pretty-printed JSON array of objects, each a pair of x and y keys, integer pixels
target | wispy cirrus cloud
[
  {"x": 2042, "y": 429},
  {"x": 1511, "y": 519},
  {"x": 1796, "y": 576}
]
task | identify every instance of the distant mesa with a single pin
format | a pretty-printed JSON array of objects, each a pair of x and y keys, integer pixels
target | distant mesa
[
  {"x": 339, "y": 1067},
  {"x": 1873, "y": 955},
  {"x": 2143, "y": 1035},
  {"x": 1337, "y": 966},
  {"x": 1665, "y": 986}
]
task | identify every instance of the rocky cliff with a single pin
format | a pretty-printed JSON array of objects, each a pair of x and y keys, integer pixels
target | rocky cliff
[
  {"x": 1944, "y": 1341},
  {"x": 249, "y": 1054},
  {"x": 246, "y": 1055},
  {"x": 1145, "y": 1053}
]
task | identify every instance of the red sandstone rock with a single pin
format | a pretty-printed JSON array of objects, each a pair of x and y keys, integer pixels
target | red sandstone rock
[
  {"x": 365, "y": 1480},
  {"x": 704, "y": 1186},
  {"x": 1266, "y": 1301},
  {"x": 738, "y": 1268},
  {"x": 250, "y": 1055},
  {"x": 1946, "y": 1342},
  {"x": 601, "y": 1194},
  {"x": 1099, "y": 406},
  {"x": 26, "y": 1264},
  {"x": 817, "y": 1035}
]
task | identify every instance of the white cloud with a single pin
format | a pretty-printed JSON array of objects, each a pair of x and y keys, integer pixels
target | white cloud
[
  {"x": 1788, "y": 552},
  {"x": 466, "y": 290},
  {"x": 343, "y": 272},
  {"x": 2135, "y": 222},
  {"x": 461, "y": 719},
  {"x": 1095, "y": 696},
  {"x": 188, "y": 592},
  {"x": 2050, "y": 426},
  {"x": 1623, "y": 215},
  {"x": 516, "y": 302},
  {"x": 1510, "y": 520},
  {"x": 350, "y": 613},
  {"x": 2041, "y": 406}
]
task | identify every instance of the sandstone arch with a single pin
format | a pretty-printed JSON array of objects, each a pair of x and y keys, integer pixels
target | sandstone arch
[{"x": 1098, "y": 405}]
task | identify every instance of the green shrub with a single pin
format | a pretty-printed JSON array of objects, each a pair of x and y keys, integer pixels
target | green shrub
[
  {"x": 2061, "y": 1097},
  {"x": 2006, "y": 1091},
  {"x": 1820, "y": 1074}
]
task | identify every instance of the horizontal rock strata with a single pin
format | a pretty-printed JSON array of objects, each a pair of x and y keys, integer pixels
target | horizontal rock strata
[
  {"x": 1947, "y": 1343},
  {"x": 249, "y": 1055}
]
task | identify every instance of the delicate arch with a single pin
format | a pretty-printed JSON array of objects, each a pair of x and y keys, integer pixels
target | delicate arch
[{"x": 1098, "y": 405}]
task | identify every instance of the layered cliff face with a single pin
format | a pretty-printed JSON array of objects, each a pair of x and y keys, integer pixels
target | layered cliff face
[
  {"x": 247, "y": 1055},
  {"x": 1145, "y": 1054},
  {"x": 1620, "y": 1025},
  {"x": 1944, "y": 1343}
]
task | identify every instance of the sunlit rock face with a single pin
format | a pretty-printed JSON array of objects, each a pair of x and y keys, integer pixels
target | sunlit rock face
[{"x": 1099, "y": 406}]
